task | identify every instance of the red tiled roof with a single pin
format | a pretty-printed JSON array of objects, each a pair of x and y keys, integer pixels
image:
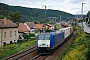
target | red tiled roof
[
  {"x": 38, "y": 26},
  {"x": 30, "y": 24},
  {"x": 9, "y": 24},
  {"x": 22, "y": 28}
]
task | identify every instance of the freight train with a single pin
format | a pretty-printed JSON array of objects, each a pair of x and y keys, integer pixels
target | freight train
[{"x": 47, "y": 42}]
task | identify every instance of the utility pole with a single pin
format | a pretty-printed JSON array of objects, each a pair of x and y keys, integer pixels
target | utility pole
[
  {"x": 77, "y": 20},
  {"x": 82, "y": 14},
  {"x": 60, "y": 22},
  {"x": 44, "y": 18},
  {"x": 45, "y": 11},
  {"x": 77, "y": 16}
]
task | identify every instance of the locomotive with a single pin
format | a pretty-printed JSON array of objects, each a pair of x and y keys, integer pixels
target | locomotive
[{"x": 47, "y": 42}]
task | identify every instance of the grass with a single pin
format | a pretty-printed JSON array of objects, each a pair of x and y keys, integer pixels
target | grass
[
  {"x": 57, "y": 26},
  {"x": 16, "y": 47}
]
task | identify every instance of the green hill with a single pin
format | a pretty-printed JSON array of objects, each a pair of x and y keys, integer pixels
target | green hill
[{"x": 32, "y": 14}]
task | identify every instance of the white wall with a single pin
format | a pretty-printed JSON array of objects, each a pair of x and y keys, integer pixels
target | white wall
[{"x": 9, "y": 38}]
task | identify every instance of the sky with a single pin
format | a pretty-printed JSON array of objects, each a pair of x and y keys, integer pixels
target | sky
[{"x": 69, "y": 6}]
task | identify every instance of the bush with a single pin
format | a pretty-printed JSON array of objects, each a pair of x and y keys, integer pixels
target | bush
[
  {"x": 26, "y": 36},
  {"x": 32, "y": 34},
  {"x": 78, "y": 49},
  {"x": 15, "y": 48}
]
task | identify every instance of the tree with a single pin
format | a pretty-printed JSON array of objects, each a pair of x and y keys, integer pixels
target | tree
[
  {"x": 31, "y": 14},
  {"x": 1, "y": 17},
  {"x": 14, "y": 16}
]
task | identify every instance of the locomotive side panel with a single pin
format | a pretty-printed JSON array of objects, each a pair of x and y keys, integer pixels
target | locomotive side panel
[
  {"x": 58, "y": 39},
  {"x": 52, "y": 41}
]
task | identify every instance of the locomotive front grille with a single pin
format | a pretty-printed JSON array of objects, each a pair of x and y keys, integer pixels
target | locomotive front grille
[{"x": 43, "y": 49}]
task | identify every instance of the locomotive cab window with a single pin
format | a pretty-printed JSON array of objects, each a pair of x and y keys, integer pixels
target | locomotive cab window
[
  {"x": 41, "y": 37},
  {"x": 44, "y": 37},
  {"x": 47, "y": 37}
]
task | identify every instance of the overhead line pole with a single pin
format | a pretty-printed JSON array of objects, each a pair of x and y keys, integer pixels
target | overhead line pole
[
  {"x": 44, "y": 17},
  {"x": 82, "y": 14},
  {"x": 60, "y": 22}
]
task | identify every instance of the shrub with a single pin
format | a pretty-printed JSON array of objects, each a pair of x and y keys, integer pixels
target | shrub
[
  {"x": 32, "y": 34},
  {"x": 26, "y": 36},
  {"x": 78, "y": 49},
  {"x": 14, "y": 48}
]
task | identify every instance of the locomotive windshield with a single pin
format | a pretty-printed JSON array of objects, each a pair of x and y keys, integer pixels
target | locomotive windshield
[
  {"x": 47, "y": 37},
  {"x": 44, "y": 37},
  {"x": 41, "y": 37}
]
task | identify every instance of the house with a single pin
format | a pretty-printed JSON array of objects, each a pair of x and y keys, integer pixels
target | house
[
  {"x": 49, "y": 26},
  {"x": 8, "y": 32},
  {"x": 39, "y": 26},
  {"x": 30, "y": 26},
  {"x": 22, "y": 29}
]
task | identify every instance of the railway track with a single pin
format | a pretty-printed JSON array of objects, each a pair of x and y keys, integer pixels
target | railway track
[
  {"x": 31, "y": 54},
  {"x": 18, "y": 56},
  {"x": 40, "y": 57}
]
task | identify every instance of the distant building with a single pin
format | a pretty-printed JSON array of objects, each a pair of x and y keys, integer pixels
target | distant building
[
  {"x": 49, "y": 26},
  {"x": 30, "y": 26},
  {"x": 39, "y": 26},
  {"x": 22, "y": 29},
  {"x": 8, "y": 32}
]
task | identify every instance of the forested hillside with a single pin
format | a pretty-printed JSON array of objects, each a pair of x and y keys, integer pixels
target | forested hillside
[{"x": 32, "y": 14}]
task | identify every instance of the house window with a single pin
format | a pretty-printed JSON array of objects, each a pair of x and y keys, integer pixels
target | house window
[
  {"x": 10, "y": 42},
  {"x": 4, "y": 34},
  {"x": 15, "y": 33},
  {"x": 10, "y": 33},
  {"x": 4, "y": 43},
  {"x": 14, "y": 40}
]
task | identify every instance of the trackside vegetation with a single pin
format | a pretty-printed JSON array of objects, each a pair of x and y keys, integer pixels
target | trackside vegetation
[
  {"x": 16, "y": 47},
  {"x": 78, "y": 49}
]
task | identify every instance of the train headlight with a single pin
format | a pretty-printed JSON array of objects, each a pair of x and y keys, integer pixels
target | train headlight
[
  {"x": 39, "y": 45},
  {"x": 47, "y": 45}
]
